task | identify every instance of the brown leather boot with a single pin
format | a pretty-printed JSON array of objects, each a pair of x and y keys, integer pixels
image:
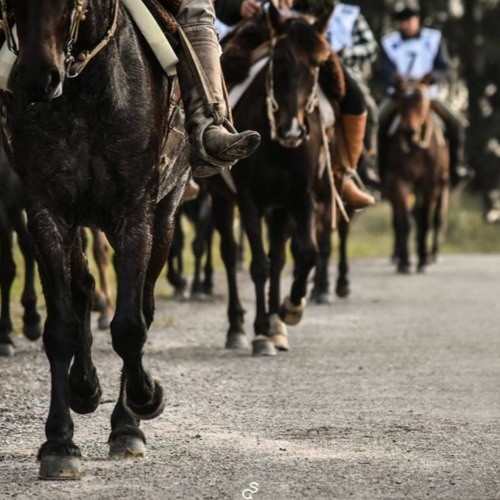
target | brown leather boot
[
  {"x": 353, "y": 129},
  {"x": 215, "y": 144}
]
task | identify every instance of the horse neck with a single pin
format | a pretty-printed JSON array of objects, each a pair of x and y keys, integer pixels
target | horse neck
[{"x": 97, "y": 22}]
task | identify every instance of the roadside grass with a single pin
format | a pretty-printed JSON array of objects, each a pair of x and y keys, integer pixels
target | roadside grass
[{"x": 371, "y": 237}]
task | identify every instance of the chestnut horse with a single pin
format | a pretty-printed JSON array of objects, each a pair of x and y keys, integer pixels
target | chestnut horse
[
  {"x": 417, "y": 169},
  {"x": 89, "y": 151}
]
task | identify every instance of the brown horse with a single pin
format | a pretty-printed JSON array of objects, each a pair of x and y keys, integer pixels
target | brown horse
[{"x": 418, "y": 165}]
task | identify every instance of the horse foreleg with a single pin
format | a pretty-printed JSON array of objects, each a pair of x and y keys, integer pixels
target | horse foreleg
[
  {"x": 85, "y": 391},
  {"x": 59, "y": 456},
  {"x": 126, "y": 438},
  {"x": 259, "y": 272},
  {"x": 32, "y": 326},
  {"x": 342, "y": 287},
  {"x": 401, "y": 219},
  {"x": 422, "y": 216},
  {"x": 143, "y": 397},
  {"x": 175, "y": 267},
  {"x": 7, "y": 275},
  {"x": 101, "y": 252},
  {"x": 198, "y": 247},
  {"x": 321, "y": 290},
  {"x": 439, "y": 217},
  {"x": 306, "y": 255},
  {"x": 223, "y": 213},
  {"x": 279, "y": 222},
  {"x": 208, "y": 283}
]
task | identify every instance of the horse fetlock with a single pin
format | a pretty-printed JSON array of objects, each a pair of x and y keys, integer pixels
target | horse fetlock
[
  {"x": 149, "y": 410},
  {"x": 291, "y": 313},
  {"x": 85, "y": 391}
]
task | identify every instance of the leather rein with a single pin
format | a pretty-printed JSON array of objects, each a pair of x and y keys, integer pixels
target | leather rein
[{"x": 74, "y": 64}]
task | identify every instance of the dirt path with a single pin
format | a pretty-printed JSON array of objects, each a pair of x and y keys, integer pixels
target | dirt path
[{"x": 391, "y": 394}]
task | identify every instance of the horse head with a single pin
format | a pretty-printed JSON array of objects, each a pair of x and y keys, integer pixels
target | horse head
[
  {"x": 298, "y": 50},
  {"x": 414, "y": 105},
  {"x": 48, "y": 31}
]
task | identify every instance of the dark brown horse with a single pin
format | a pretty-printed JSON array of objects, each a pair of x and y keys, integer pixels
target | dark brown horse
[
  {"x": 278, "y": 184},
  {"x": 12, "y": 219},
  {"x": 418, "y": 164},
  {"x": 199, "y": 213},
  {"x": 88, "y": 151}
]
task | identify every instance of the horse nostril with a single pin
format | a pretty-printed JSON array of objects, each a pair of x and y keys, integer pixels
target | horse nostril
[{"x": 53, "y": 81}]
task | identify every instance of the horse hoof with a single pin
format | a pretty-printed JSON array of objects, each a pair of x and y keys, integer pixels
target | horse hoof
[
  {"x": 127, "y": 447},
  {"x": 60, "y": 468},
  {"x": 236, "y": 340},
  {"x": 422, "y": 269},
  {"x": 32, "y": 332},
  {"x": 278, "y": 333},
  {"x": 404, "y": 269},
  {"x": 151, "y": 409},
  {"x": 324, "y": 299},
  {"x": 263, "y": 346},
  {"x": 6, "y": 350},
  {"x": 290, "y": 313},
  {"x": 103, "y": 323}
]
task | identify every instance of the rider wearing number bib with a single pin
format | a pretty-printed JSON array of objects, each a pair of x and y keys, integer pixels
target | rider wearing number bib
[{"x": 414, "y": 52}]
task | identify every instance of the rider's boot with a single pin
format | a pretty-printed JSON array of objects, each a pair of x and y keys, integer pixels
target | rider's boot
[
  {"x": 215, "y": 144},
  {"x": 352, "y": 128}
]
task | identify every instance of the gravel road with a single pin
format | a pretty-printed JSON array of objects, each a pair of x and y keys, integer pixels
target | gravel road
[{"x": 393, "y": 393}]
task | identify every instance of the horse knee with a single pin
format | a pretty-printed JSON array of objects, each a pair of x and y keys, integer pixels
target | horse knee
[
  {"x": 308, "y": 256},
  {"x": 60, "y": 336},
  {"x": 7, "y": 272},
  {"x": 259, "y": 271}
]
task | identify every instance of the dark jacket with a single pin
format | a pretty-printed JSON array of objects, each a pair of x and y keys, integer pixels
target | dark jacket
[{"x": 228, "y": 11}]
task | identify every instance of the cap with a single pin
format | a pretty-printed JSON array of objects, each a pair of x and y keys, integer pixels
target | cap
[{"x": 405, "y": 9}]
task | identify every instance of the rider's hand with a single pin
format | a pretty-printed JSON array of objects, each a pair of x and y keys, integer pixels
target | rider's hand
[{"x": 250, "y": 8}]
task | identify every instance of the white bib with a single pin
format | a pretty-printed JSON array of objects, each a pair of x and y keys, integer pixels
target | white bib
[
  {"x": 413, "y": 58},
  {"x": 341, "y": 26}
]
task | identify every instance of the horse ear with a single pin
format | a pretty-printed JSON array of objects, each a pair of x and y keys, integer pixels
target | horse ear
[
  {"x": 321, "y": 24},
  {"x": 398, "y": 80},
  {"x": 275, "y": 20},
  {"x": 427, "y": 79}
]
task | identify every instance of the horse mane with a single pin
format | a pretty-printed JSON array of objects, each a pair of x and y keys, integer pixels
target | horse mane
[
  {"x": 249, "y": 34},
  {"x": 238, "y": 46}
]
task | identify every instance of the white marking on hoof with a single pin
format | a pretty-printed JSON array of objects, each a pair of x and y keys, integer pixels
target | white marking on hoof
[{"x": 278, "y": 333}]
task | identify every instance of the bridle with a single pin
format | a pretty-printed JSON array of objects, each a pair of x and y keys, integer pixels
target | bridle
[
  {"x": 74, "y": 64},
  {"x": 422, "y": 136},
  {"x": 271, "y": 102}
]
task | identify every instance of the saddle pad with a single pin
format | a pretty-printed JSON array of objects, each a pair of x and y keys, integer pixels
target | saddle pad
[{"x": 144, "y": 20}]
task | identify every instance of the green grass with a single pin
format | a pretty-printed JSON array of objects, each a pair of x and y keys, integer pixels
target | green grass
[{"x": 371, "y": 236}]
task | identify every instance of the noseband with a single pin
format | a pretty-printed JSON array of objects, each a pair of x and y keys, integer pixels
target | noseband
[
  {"x": 272, "y": 103},
  {"x": 74, "y": 64}
]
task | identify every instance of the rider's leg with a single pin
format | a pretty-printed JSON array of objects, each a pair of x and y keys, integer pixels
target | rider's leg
[
  {"x": 214, "y": 144},
  {"x": 352, "y": 127},
  {"x": 455, "y": 133}
]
